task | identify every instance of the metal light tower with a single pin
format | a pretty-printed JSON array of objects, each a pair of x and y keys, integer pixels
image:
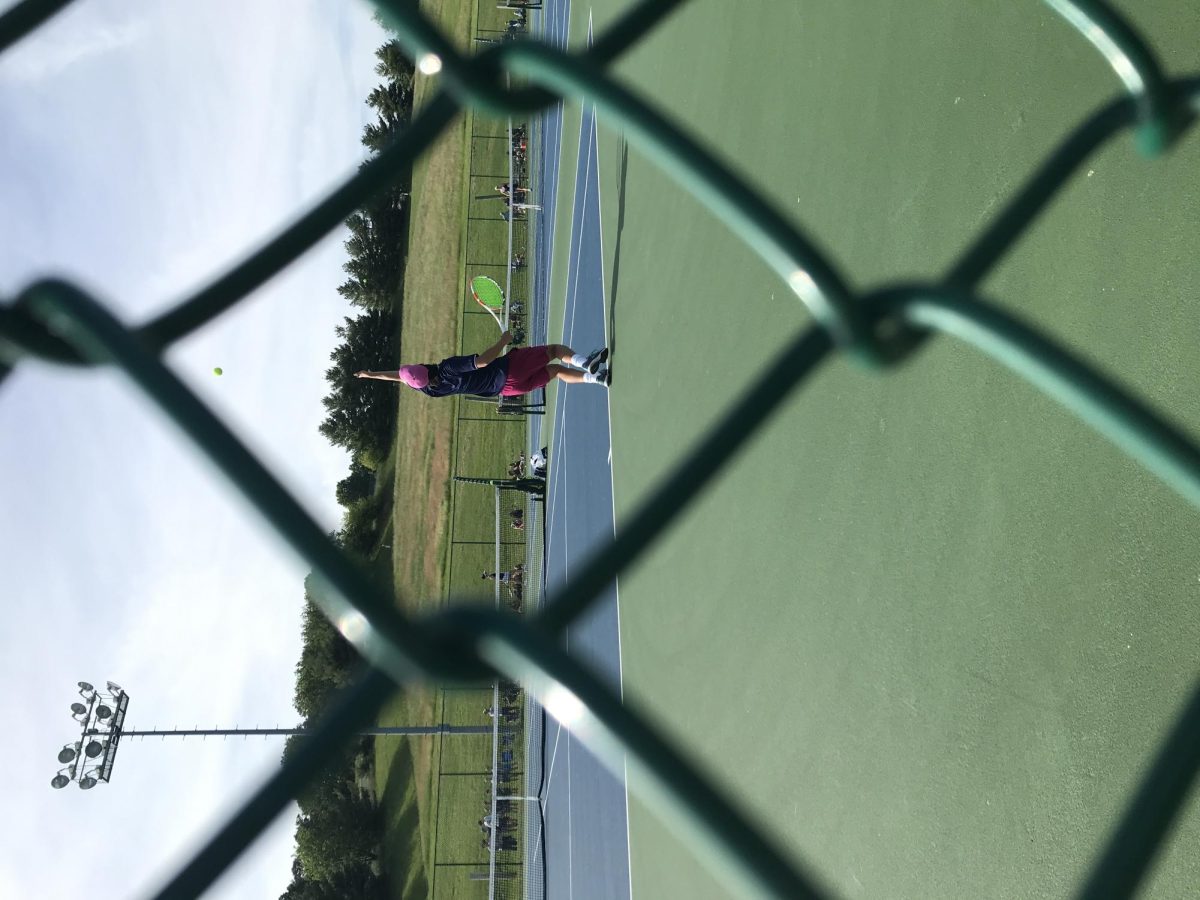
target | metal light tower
[{"x": 89, "y": 760}]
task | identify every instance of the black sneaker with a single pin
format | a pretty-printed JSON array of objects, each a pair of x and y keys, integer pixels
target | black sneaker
[
  {"x": 595, "y": 360},
  {"x": 605, "y": 378}
]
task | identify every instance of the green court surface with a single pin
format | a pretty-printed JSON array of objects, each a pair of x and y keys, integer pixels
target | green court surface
[{"x": 929, "y": 628}]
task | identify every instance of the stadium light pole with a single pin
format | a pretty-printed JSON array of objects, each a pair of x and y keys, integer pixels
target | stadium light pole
[{"x": 101, "y": 717}]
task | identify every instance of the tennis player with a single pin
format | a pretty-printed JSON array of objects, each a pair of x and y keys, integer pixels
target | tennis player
[{"x": 488, "y": 374}]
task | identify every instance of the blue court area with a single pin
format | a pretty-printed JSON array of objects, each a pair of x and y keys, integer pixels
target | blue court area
[
  {"x": 585, "y": 811},
  {"x": 928, "y": 629},
  {"x": 587, "y": 852}
]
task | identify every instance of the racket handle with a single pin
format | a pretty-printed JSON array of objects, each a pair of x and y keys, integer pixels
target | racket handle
[{"x": 493, "y": 314}]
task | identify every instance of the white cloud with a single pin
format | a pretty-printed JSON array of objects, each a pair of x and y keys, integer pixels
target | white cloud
[
  {"x": 142, "y": 158},
  {"x": 46, "y": 55}
]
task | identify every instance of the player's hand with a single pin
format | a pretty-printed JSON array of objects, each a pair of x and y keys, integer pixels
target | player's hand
[
  {"x": 360, "y": 374},
  {"x": 506, "y": 339}
]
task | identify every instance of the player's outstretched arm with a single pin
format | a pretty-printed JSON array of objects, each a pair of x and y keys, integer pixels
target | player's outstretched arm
[
  {"x": 378, "y": 376},
  {"x": 488, "y": 356}
]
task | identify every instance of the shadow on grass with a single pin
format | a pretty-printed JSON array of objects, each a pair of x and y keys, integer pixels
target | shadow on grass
[
  {"x": 403, "y": 856},
  {"x": 616, "y": 269}
]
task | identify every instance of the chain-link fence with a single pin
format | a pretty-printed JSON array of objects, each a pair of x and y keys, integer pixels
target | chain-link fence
[
  {"x": 58, "y": 322},
  {"x": 534, "y": 749},
  {"x": 502, "y": 205},
  {"x": 502, "y": 211},
  {"x": 506, "y": 767},
  {"x": 523, "y": 764}
]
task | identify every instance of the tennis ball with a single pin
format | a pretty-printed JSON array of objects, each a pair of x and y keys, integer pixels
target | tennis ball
[{"x": 218, "y": 371}]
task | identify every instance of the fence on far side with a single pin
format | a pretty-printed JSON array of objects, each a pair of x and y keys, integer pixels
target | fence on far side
[{"x": 487, "y": 838}]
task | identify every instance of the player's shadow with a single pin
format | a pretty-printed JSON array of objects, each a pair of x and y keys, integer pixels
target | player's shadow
[{"x": 616, "y": 269}]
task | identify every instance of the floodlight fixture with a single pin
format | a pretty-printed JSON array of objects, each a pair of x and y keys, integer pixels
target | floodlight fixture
[
  {"x": 89, "y": 761},
  {"x": 101, "y": 717}
]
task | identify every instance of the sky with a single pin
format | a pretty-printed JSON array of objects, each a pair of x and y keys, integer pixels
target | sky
[{"x": 145, "y": 148}]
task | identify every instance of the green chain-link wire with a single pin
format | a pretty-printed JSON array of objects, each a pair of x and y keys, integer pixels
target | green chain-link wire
[{"x": 57, "y": 322}]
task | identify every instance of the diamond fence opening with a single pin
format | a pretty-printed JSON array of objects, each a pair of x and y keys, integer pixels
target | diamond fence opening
[{"x": 471, "y": 645}]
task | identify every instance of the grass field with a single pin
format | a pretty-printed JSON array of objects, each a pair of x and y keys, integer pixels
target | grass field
[
  {"x": 454, "y": 235},
  {"x": 929, "y": 628},
  {"x": 421, "y": 455}
]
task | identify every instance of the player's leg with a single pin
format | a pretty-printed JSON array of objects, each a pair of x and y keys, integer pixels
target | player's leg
[
  {"x": 568, "y": 375},
  {"x": 591, "y": 363},
  {"x": 530, "y": 368}
]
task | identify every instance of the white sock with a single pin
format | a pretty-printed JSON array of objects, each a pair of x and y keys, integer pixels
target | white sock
[
  {"x": 589, "y": 378},
  {"x": 579, "y": 361}
]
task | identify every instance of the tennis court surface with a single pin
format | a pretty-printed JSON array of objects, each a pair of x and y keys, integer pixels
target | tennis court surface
[
  {"x": 929, "y": 628},
  {"x": 932, "y": 632}
]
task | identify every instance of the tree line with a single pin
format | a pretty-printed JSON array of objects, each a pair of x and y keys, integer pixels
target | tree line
[
  {"x": 359, "y": 417},
  {"x": 340, "y": 826}
]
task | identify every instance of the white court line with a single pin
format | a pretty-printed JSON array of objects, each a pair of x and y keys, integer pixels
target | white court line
[
  {"x": 560, "y": 412},
  {"x": 559, "y": 29},
  {"x": 570, "y": 804},
  {"x": 549, "y": 778},
  {"x": 565, "y": 31},
  {"x": 608, "y": 394},
  {"x": 570, "y": 827},
  {"x": 577, "y": 246},
  {"x": 587, "y": 176},
  {"x": 613, "y": 494},
  {"x": 569, "y": 337},
  {"x": 560, "y": 445},
  {"x": 559, "y": 424},
  {"x": 561, "y": 409}
]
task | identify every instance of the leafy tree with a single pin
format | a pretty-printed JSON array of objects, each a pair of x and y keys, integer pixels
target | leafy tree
[
  {"x": 377, "y": 135},
  {"x": 392, "y": 101},
  {"x": 368, "y": 270},
  {"x": 338, "y": 830},
  {"x": 337, "y": 837},
  {"x": 377, "y": 228},
  {"x": 359, "y": 294},
  {"x": 358, "y": 485},
  {"x": 360, "y": 528},
  {"x": 328, "y": 662},
  {"x": 352, "y": 883},
  {"x": 394, "y": 65},
  {"x": 337, "y": 833},
  {"x": 359, "y": 415},
  {"x": 334, "y": 783},
  {"x": 376, "y": 248}
]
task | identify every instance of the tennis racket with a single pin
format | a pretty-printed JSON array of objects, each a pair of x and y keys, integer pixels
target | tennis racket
[{"x": 489, "y": 295}]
